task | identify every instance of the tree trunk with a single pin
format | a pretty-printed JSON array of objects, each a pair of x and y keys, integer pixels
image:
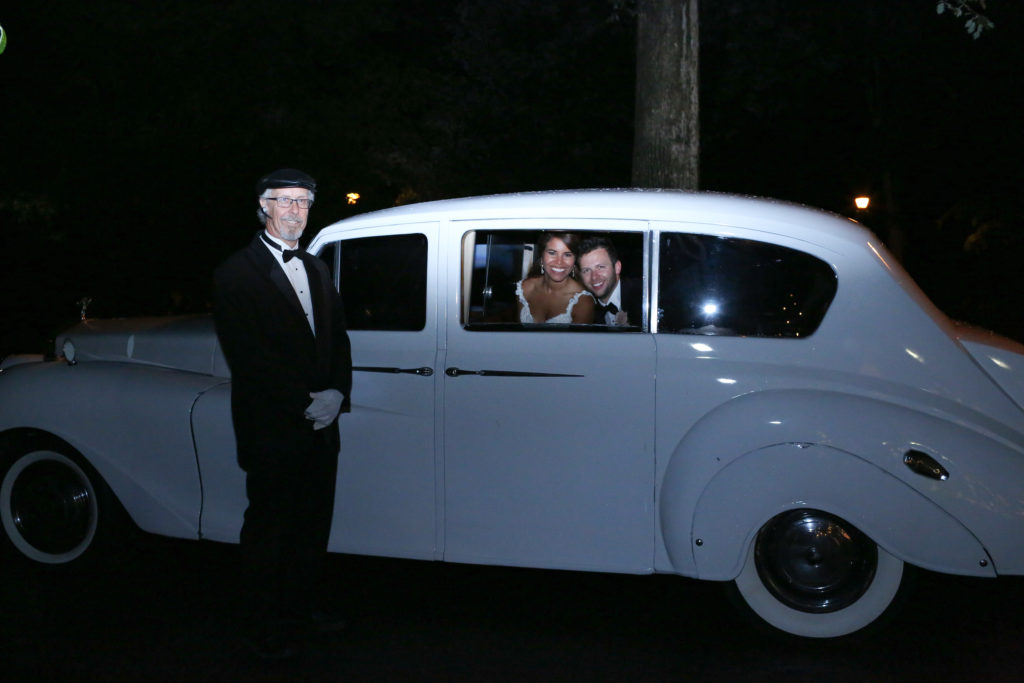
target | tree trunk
[{"x": 666, "y": 144}]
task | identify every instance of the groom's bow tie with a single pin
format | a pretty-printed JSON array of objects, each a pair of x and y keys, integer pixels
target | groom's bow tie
[
  {"x": 288, "y": 254},
  {"x": 607, "y": 308}
]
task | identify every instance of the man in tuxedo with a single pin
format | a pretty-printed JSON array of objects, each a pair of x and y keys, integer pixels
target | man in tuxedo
[
  {"x": 618, "y": 301},
  {"x": 281, "y": 326}
]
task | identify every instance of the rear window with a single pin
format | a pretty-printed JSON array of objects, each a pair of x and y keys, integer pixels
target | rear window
[{"x": 725, "y": 286}]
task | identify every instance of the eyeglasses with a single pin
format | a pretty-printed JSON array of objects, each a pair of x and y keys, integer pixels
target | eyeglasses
[{"x": 285, "y": 202}]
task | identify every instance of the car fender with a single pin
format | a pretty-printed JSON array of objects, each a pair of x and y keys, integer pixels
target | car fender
[
  {"x": 131, "y": 422},
  {"x": 19, "y": 359},
  {"x": 787, "y": 476},
  {"x": 867, "y": 439}
]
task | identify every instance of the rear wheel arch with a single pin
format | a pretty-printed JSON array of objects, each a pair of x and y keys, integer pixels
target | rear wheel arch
[
  {"x": 762, "y": 522},
  {"x": 756, "y": 487},
  {"x": 751, "y": 429}
]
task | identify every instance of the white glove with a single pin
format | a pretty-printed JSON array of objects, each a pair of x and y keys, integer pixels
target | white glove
[{"x": 324, "y": 408}]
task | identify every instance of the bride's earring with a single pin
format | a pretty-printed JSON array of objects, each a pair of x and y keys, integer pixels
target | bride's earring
[{"x": 542, "y": 271}]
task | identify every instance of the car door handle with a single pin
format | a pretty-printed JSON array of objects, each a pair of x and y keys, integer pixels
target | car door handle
[
  {"x": 422, "y": 372},
  {"x": 456, "y": 372},
  {"x": 459, "y": 372}
]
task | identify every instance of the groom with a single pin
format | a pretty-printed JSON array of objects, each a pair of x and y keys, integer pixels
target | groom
[{"x": 601, "y": 272}]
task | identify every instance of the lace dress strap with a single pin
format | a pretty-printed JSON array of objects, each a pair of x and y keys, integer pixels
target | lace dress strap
[
  {"x": 524, "y": 313},
  {"x": 574, "y": 300}
]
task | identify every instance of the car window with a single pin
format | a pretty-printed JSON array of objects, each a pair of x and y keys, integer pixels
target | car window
[
  {"x": 382, "y": 280},
  {"x": 494, "y": 262},
  {"x": 728, "y": 286}
]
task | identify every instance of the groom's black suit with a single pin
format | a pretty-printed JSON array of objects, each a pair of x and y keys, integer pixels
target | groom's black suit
[{"x": 276, "y": 362}]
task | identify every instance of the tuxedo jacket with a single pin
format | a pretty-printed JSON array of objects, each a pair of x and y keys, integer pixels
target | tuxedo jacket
[
  {"x": 632, "y": 302},
  {"x": 275, "y": 359}
]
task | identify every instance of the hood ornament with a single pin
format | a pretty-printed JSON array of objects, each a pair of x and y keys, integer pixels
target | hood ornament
[{"x": 84, "y": 303}]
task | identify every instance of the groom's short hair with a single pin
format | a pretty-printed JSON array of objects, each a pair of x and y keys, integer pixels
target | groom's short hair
[{"x": 592, "y": 243}]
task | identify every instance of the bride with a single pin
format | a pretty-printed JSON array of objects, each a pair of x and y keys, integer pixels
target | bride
[{"x": 551, "y": 293}]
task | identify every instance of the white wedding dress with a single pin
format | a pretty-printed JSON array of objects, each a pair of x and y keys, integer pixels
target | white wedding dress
[{"x": 563, "y": 318}]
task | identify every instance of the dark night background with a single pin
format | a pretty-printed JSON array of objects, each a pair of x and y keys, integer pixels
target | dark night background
[{"x": 132, "y": 133}]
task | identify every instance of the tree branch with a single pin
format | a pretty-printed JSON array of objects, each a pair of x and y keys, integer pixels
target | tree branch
[{"x": 971, "y": 11}]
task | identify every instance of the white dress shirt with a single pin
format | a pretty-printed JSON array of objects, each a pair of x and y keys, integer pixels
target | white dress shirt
[
  {"x": 615, "y": 298},
  {"x": 295, "y": 269}
]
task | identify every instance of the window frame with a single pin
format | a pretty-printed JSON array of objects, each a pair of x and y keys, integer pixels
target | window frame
[
  {"x": 460, "y": 229},
  {"x": 427, "y": 230}
]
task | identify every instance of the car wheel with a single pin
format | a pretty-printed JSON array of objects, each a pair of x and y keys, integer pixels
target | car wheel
[
  {"x": 55, "y": 508},
  {"x": 810, "y": 573}
]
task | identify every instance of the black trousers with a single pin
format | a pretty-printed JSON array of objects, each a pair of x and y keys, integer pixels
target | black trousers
[{"x": 285, "y": 531}]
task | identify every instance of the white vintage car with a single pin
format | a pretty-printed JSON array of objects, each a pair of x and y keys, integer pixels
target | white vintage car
[{"x": 790, "y": 413}]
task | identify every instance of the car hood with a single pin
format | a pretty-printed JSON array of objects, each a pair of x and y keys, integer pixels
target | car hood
[
  {"x": 1001, "y": 358},
  {"x": 183, "y": 342}
]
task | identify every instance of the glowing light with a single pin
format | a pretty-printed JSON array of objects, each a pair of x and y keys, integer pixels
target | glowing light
[
  {"x": 726, "y": 380},
  {"x": 861, "y": 202},
  {"x": 352, "y": 197},
  {"x": 710, "y": 308},
  {"x": 703, "y": 348},
  {"x": 915, "y": 355}
]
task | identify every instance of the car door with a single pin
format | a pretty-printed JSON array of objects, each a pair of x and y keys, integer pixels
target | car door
[
  {"x": 548, "y": 429},
  {"x": 385, "y": 500}
]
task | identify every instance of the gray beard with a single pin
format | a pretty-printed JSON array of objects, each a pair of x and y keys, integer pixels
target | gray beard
[{"x": 288, "y": 231}]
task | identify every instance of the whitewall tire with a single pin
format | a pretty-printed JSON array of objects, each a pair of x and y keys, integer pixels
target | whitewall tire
[
  {"x": 812, "y": 574},
  {"x": 55, "y": 509}
]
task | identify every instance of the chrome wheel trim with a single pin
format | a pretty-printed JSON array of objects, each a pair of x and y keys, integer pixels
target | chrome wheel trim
[
  {"x": 814, "y": 562},
  {"x": 49, "y": 507},
  {"x": 846, "y": 601}
]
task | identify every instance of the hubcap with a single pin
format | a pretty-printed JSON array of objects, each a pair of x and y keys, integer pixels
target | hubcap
[
  {"x": 52, "y": 507},
  {"x": 814, "y": 562}
]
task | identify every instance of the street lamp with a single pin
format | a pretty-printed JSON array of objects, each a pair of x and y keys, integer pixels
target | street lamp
[
  {"x": 352, "y": 197},
  {"x": 862, "y": 202}
]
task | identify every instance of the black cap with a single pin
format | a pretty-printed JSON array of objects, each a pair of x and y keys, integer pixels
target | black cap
[{"x": 285, "y": 177}]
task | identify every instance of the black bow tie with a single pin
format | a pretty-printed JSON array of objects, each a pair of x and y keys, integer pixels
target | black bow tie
[
  {"x": 288, "y": 254},
  {"x": 607, "y": 308}
]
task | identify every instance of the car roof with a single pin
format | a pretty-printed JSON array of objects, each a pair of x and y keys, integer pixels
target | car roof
[{"x": 711, "y": 208}]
